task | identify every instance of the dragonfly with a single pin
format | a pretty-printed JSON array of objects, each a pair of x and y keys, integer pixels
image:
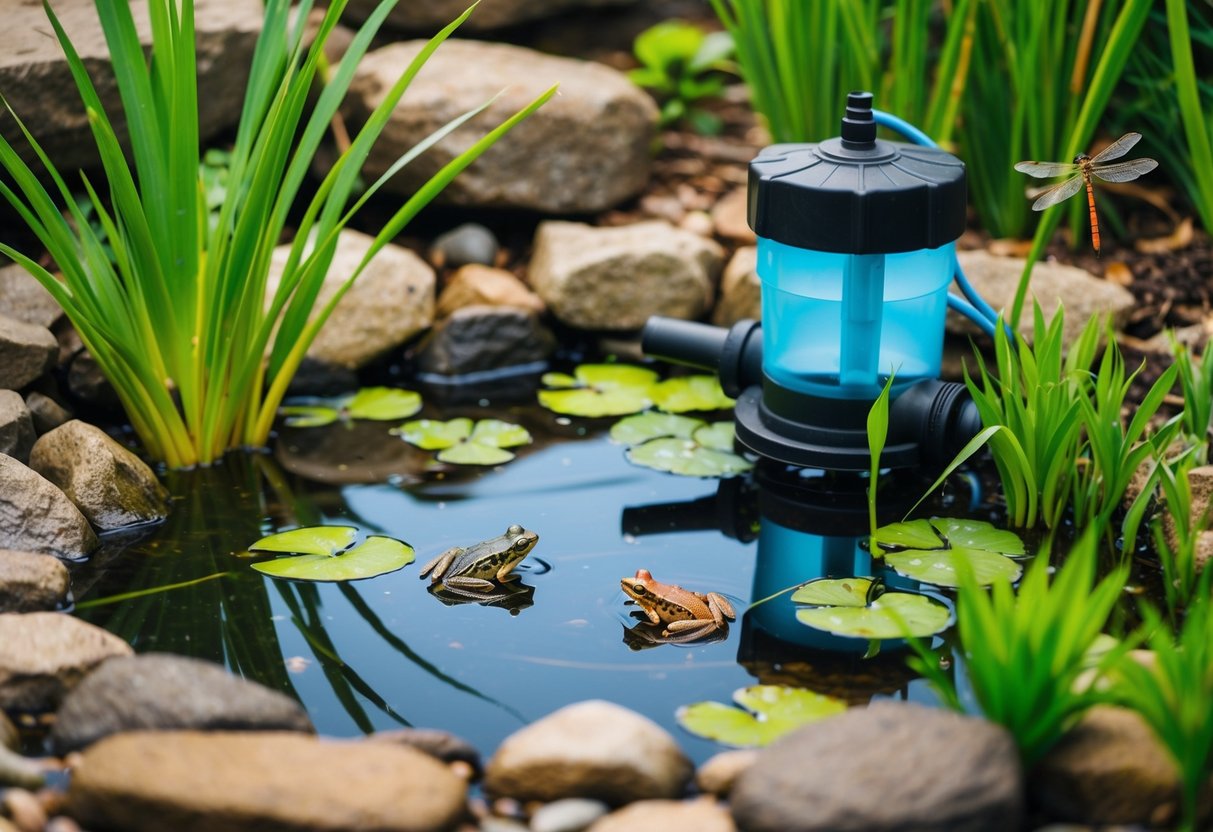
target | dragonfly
[{"x": 1080, "y": 171}]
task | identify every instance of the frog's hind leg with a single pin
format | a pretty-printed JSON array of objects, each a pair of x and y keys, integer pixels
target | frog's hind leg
[
  {"x": 689, "y": 629},
  {"x": 440, "y": 564},
  {"x": 466, "y": 583},
  {"x": 720, "y": 608}
]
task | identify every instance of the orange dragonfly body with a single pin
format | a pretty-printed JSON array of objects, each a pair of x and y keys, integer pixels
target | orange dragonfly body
[{"x": 1080, "y": 171}]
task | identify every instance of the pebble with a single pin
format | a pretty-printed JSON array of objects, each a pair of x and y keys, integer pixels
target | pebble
[
  {"x": 470, "y": 243},
  {"x": 569, "y": 815},
  {"x": 24, "y": 810},
  {"x": 718, "y": 773}
]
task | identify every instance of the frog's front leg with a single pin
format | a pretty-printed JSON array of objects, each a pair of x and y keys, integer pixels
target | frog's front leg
[
  {"x": 507, "y": 573},
  {"x": 441, "y": 564},
  {"x": 464, "y": 582}
]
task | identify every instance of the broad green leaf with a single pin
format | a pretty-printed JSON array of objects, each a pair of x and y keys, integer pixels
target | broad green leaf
[
  {"x": 377, "y": 555},
  {"x": 770, "y": 712},
  {"x": 687, "y": 458},
  {"x": 309, "y": 540},
  {"x": 718, "y": 436},
  {"x": 938, "y": 566},
  {"x": 308, "y": 416},
  {"x": 892, "y": 615},
  {"x": 978, "y": 534},
  {"x": 594, "y": 404},
  {"x": 384, "y": 403},
  {"x": 834, "y": 592},
  {"x": 432, "y": 434},
  {"x": 499, "y": 434},
  {"x": 557, "y": 380},
  {"x": 688, "y": 393},
  {"x": 632, "y": 430},
  {"x": 474, "y": 453},
  {"x": 615, "y": 376},
  {"x": 914, "y": 534}
]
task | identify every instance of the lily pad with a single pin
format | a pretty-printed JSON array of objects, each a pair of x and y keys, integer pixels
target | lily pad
[
  {"x": 309, "y": 416},
  {"x": 930, "y": 550},
  {"x": 978, "y": 534},
  {"x": 633, "y": 430},
  {"x": 500, "y": 434},
  {"x": 838, "y": 592},
  {"x": 687, "y": 458},
  {"x": 434, "y": 434},
  {"x": 855, "y": 607},
  {"x": 938, "y": 566},
  {"x": 474, "y": 453},
  {"x": 718, "y": 436},
  {"x": 375, "y": 403},
  {"x": 770, "y": 711},
  {"x": 320, "y": 556},
  {"x": 690, "y": 393},
  {"x": 463, "y": 442},
  {"x": 599, "y": 390}
]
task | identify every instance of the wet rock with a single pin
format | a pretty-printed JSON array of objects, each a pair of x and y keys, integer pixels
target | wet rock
[
  {"x": 483, "y": 286},
  {"x": 46, "y": 413},
  {"x": 479, "y": 338},
  {"x": 740, "y": 289},
  {"x": 1081, "y": 294},
  {"x": 26, "y": 352},
  {"x": 36, "y": 516},
  {"x": 591, "y": 749},
  {"x": 470, "y": 243},
  {"x": 615, "y": 278},
  {"x": 729, "y": 218},
  {"x": 699, "y": 815},
  {"x": 561, "y": 159},
  {"x": 22, "y": 297},
  {"x": 111, "y": 486},
  {"x": 1109, "y": 769},
  {"x": 718, "y": 773},
  {"x": 430, "y": 15},
  {"x": 439, "y": 744},
  {"x": 37, "y": 81},
  {"x": 573, "y": 814},
  {"x": 231, "y": 782},
  {"x": 319, "y": 378},
  {"x": 30, "y": 582},
  {"x": 87, "y": 382},
  {"x": 824, "y": 776},
  {"x": 16, "y": 426},
  {"x": 43, "y": 655},
  {"x": 163, "y": 692},
  {"x": 16, "y": 770},
  {"x": 390, "y": 302}
]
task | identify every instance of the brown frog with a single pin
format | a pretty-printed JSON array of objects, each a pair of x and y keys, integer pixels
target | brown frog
[{"x": 687, "y": 615}]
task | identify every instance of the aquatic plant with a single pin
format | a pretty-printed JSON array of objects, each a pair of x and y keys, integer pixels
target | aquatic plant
[
  {"x": 179, "y": 322},
  {"x": 1196, "y": 385},
  {"x": 323, "y": 553},
  {"x": 935, "y": 551},
  {"x": 680, "y": 64},
  {"x": 1177, "y": 536},
  {"x": 382, "y": 404},
  {"x": 597, "y": 390},
  {"x": 764, "y": 713},
  {"x": 685, "y": 394},
  {"x": 680, "y": 445},
  {"x": 464, "y": 442},
  {"x": 863, "y": 608}
]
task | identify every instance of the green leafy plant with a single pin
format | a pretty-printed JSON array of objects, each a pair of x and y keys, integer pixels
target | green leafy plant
[
  {"x": 862, "y": 608},
  {"x": 597, "y": 390},
  {"x": 383, "y": 404},
  {"x": 1196, "y": 384},
  {"x": 1195, "y": 101},
  {"x": 179, "y": 322},
  {"x": 707, "y": 451},
  {"x": 764, "y": 713},
  {"x": 684, "y": 394},
  {"x": 1177, "y": 536},
  {"x": 681, "y": 65},
  {"x": 322, "y": 553},
  {"x": 462, "y": 442},
  {"x": 935, "y": 551}
]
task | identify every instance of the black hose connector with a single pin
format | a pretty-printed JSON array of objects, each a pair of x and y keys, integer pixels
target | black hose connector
[
  {"x": 940, "y": 416},
  {"x": 734, "y": 354}
]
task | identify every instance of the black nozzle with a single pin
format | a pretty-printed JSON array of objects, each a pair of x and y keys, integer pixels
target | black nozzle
[
  {"x": 940, "y": 416},
  {"x": 735, "y": 354},
  {"x": 859, "y": 125}
]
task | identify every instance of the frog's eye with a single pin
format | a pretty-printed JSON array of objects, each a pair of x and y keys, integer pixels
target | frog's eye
[
  {"x": 520, "y": 544},
  {"x": 640, "y": 589}
]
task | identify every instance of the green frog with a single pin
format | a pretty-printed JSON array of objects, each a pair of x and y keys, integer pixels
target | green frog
[{"x": 477, "y": 567}]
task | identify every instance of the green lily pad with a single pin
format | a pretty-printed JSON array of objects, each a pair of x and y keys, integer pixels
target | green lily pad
[
  {"x": 838, "y": 592},
  {"x": 384, "y": 404},
  {"x": 474, "y": 453},
  {"x": 690, "y": 393},
  {"x": 499, "y": 434},
  {"x": 433, "y": 434},
  {"x": 687, "y": 458},
  {"x": 978, "y": 534},
  {"x": 718, "y": 436},
  {"x": 929, "y": 550},
  {"x": 615, "y": 376},
  {"x": 309, "y": 540},
  {"x": 938, "y": 566},
  {"x": 557, "y": 380},
  {"x": 770, "y": 711},
  {"x": 321, "y": 557},
  {"x": 892, "y": 615},
  {"x": 599, "y": 390},
  {"x": 462, "y": 442},
  {"x": 309, "y": 416},
  {"x": 916, "y": 534},
  {"x": 633, "y": 430}
]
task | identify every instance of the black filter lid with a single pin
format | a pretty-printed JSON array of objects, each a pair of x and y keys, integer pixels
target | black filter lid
[{"x": 857, "y": 194}]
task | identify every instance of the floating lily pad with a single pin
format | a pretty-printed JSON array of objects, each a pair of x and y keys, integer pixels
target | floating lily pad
[
  {"x": 938, "y": 566},
  {"x": 930, "y": 550},
  {"x": 853, "y": 607},
  {"x": 463, "y": 442},
  {"x": 718, "y": 436},
  {"x": 309, "y": 416},
  {"x": 320, "y": 556},
  {"x": 434, "y": 434},
  {"x": 597, "y": 390},
  {"x": 474, "y": 453},
  {"x": 838, "y": 592},
  {"x": 633, "y": 430},
  {"x": 687, "y": 458},
  {"x": 374, "y": 403},
  {"x": 690, "y": 393},
  {"x": 770, "y": 711},
  {"x": 978, "y": 534},
  {"x": 500, "y": 434}
]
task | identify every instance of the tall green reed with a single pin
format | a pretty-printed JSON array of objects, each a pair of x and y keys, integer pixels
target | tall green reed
[{"x": 179, "y": 322}]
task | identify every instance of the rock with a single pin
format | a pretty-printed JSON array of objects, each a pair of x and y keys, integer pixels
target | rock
[
  {"x": 8, "y": 733},
  {"x": 479, "y": 338},
  {"x": 19, "y": 771},
  {"x": 438, "y": 744},
  {"x": 719, "y": 772},
  {"x": 22, "y": 297},
  {"x": 319, "y": 378},
  {"x": 390, "y": 302},
  {"x": 26, "y": 352},
  {"x": 573, "y": 814},
  {"x": 157, "y": 691},
  {"x": 824, "y": 776},
  {"x": 699, "y": 815},
  {"x": 46, "y": 413},
  {"x": 36, "y": 516},
  {"x": 109, "y": 484},
  {"x": 615, "y": 278},
  {"x": 232, "y": 782},
  {"x": 1082, "y": 294},
  {"x": 470, "y": 243},
  {"x": 476, "y": 285},
  {"x": 591, "y": 749},
  {"x": 30, "y": 582},
  {"x": 25, "y": 809},
  {"x": 430, "y": 15},
  {"x": 730, "y": 220},
  {"x": 36, "y": 80},
  {"x": 43, "y": 655},
  {"x": 87, "y": 382},
  {"x": 16, "y": 426},
  {"x": 561, "y": 159},
  {"x": 1109, "y": 768},
  {"x": 740, "y": 289}
]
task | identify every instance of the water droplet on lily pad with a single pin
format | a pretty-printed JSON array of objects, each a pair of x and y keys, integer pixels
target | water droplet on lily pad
[{"x": 764, "y": 714}]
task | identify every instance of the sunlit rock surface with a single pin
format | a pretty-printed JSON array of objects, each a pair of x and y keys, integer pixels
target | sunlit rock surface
[
  {"x": 43, "y": 655},
  {"x": 740, "y": 289},
  {"x": 16, "y": 426},
  {"x": 30, "y": 582},
  {"x": 26, "y": 352},
  {"x": 699, "y": 815},
  {"x": 475, "y": 285},
  {"x": 22, "y": 297},
  {"x": 36, "y": 516}
]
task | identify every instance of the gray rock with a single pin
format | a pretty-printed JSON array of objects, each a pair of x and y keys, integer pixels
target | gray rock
[
  {"x": 47, "y": 414},
  {"x": 470, "y": 243},
  {"x": 26, "y": 352},
  {"x": 43, "y": 655},
  {"x": 36, "y": 80},
  {"x": 8, "y": 733},
  {"x": 561, "y": 159},
  {"x": 740, "y": 289},
  {"x": 430, "y": 15},
  {"x": 698, "y": 815},
  {"x": 474, "y": 285},
  {"x": 390, "y": 302},
  {"x": 573, "y": 814},
  {"x": 616, "y": 278},
  {"x": 88, "y": 383},
  {"x": 16, "y": 426},
  {"x": 30, "y": 582},
  {"x": 479, "y": 338},
  {"x": 591, "y": 749},
  {"x": 719, "y": 773},
  {"x": 164, "y": 692},
  {"x": 233, "y": 782},
  {"x": 438, "y": 744},
  {"x": 109, "y": 484},
  {"x": 319, "y": 378},
  {"x": 22, "y": 297},
  {"x": 36, "y": 516},
  {"x": 931, "y": 770},
  {"x": 21, "y": 772}
]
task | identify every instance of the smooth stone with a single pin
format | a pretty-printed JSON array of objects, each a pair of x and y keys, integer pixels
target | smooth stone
[
  {"x": 616, "y": 278},
  {"x": 43, "y": 655},
  {"x": 480, "y": 338},
  {"x": 573, "y": 814},
  {"x": 697, "y": 815},
  {"x": 719, "y": 773},
  {"x": 440, "y": 745},
  {"x": 562, "y": 159},
  {"x": 46, "y": 413},
  {"x": 474, "y": 285},
  {"x": 729, "y": 218},
  {"x": 593, "y": 749},
  {"x": 8, "y": 733},
  {"x": 16, "y": 770},
  {"x": 740, "y": 289},
  {"x": 158, "y": 691},
  {"x": 24, "y": 298},
  {"x": 25, "y": 809},
  {"x": 932, "y": 770},
  {"x": 31, "y": 582},
  {"x": 111, "y": 486},
  {"x": 87, "y": 382},
  {"x": 390, "y": 302},
  {"x": 147, "y": 781},
  {"x": 470, "y": 243},
  {"x": 427, "y": 15},
  {"x": 36, "y": 516},
  {"x": 16, "y": 426},
  {"x": 319, "y": 378},
  {"x": 26, "y": 352}
]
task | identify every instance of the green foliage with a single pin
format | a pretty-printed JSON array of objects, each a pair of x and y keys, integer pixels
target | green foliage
[
  {"x": 764, "y": 714},
  {"x": 681, "y": 64},
  {"x": 685, "y": 394},
  {"x": 321, "y": 554},
  {"x": 860, "y": 608},
  {"x": 633, "y": 430},
  {"x": 878, "y": 433},
  {"x": 687, "y": 458},
  {"x": 597, "y": 390},
  {"x": 1195, "y": 101},
  {"x": 1196, "y": 383},
  {"x": 382, "y": 404},
  {"x": 179, "y": 321},
  {"x": 1176, "y": 539},
  {"x": 935, "y": 551},
  {"x": 462, "y": 442}
]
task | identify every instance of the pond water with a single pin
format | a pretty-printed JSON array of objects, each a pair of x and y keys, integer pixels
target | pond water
[{"x": 385, "y": 652}]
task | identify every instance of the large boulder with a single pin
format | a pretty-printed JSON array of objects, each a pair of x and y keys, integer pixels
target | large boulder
[
  {"x": 390, "y": 302},
  {"x": 26, "y": 352},
  {"x": 615, "y": 278},
  {"x": 22, "y": 297},
  {"x": 16, "y": 426},
  {"x": 111, "y": 486},
  {"x": 30, "y": 582},
  {"x": 585, "y": 150},
  {"x": 43, "y": 655},
  {"x": 430, "y": 15},
  {"x": 36, "y": 516}
]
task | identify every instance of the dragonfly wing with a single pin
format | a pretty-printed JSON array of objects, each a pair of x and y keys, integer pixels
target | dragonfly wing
[
  {"x": 1124, "y": 171},
  {"x": 1046, "y": 170},
  {"x": 1117, "y": 148},
  {"x": 1058, "y": 193}
]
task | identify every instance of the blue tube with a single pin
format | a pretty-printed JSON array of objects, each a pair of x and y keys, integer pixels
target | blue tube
[{"x": 963, "y": 307}]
